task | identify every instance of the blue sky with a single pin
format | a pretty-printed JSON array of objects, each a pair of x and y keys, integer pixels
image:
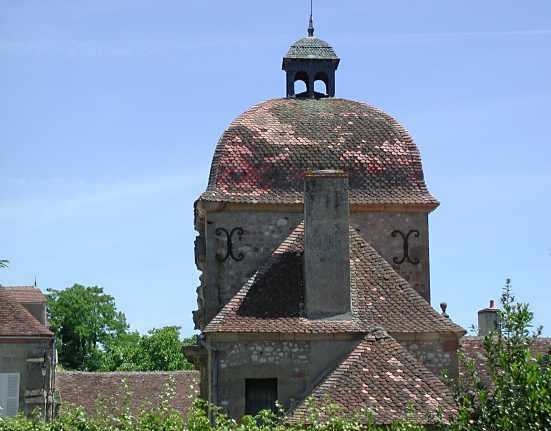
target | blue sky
[{"x": 110, "y": 112}]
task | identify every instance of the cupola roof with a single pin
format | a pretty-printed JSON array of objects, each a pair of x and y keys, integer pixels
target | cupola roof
[
  {"x": 263, "y": 155},
  {"x": 311, "y": 48}
]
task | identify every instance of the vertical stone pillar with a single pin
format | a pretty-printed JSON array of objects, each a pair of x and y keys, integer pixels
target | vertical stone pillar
[
  {"x": 326, "y": 244},
  {"x": 488, "y": 320}
]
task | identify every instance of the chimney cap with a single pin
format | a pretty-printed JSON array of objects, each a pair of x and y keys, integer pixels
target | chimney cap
[
  {"x": 491, "y": 308},
  {"x": 326, "y": 173}
]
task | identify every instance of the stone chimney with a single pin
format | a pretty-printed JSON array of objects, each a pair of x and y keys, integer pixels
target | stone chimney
[
  {"x": 487, "y": 319},
  {"x": 326, "y": 244}
]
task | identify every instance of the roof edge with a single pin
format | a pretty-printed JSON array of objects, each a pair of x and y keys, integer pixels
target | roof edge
[{"x": 215, "y": 205}]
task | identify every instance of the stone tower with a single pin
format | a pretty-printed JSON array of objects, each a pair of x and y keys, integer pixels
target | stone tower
[{"x": 313, "y": 243}]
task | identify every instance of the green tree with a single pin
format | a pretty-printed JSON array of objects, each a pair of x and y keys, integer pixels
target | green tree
[
  {"x": 518, "y": 395},
  {"x": 161, "y": 349},
  {"x": 158, "y": 350},
  {"x": 84, "y": 320}
]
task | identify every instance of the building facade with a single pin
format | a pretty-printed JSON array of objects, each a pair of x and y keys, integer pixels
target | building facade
[
  {"x": 27, "y": 359},
  {"x": 314, "y": 252}
]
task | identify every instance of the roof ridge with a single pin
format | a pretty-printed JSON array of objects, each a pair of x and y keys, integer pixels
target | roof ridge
[{"x": 2, "y": 286}]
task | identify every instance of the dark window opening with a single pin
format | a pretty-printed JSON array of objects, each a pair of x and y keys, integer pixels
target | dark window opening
[{"x": 260, "y": 394}]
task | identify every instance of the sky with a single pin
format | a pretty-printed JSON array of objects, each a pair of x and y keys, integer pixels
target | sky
[{"x": 110, "y": 113}]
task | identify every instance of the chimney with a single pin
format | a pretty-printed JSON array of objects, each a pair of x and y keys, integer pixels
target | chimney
[
  {"x": 487, "y": 319},
  {"x": 326, "y": 244}
]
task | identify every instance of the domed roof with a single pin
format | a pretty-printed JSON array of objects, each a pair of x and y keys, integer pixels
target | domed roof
[
  {"x": 264, "y": 153},
  {"x": 311, "y": 48}
]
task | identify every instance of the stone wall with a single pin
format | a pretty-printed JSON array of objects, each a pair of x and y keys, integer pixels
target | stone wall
[
  {"x": 297, "y": 364},
  {"x": 26, "y": 358},
  {"x": 438, "y": 354},
  {"x": 377, "y": 227},
  {"x": 264, "y": 231}
]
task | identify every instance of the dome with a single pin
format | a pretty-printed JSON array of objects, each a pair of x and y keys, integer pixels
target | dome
[
  {"x": 311, "y": 48},
  {"x": 264, "y": 153}
]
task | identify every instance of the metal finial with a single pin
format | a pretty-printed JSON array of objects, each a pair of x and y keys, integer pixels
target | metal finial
[{"x": 311, "y": 22}]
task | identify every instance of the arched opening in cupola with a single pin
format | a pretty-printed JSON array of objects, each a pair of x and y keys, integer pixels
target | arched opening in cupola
[
  {"x": 320, "y": 85},
  {"x": 301, "y": 84}
]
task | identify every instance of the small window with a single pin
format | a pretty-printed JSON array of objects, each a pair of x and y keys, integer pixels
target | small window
[
  {"x": 9, "y": 394},
  {"x": 260, "y": 394}
]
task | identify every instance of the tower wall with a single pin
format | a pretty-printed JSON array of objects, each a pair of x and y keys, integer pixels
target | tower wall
[
  {"x": 263, "y": 231},
  {"x": 407, "y": 252}
]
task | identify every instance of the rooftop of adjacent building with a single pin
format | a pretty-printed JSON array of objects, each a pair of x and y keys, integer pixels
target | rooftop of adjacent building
[
  {"x": 25, "y": 294},
  {"x": 17, "y": 317}
]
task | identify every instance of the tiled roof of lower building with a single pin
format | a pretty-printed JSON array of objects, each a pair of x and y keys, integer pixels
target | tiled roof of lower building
[
  {"x": 16, "y": 321},
  {"x": 381, "y": 376},
  {"x": 264, "y": 153},
  {"x": 271, "y": 300},
  {"x": 26, "y": 294},
  {"x": 87, "y": 389}
]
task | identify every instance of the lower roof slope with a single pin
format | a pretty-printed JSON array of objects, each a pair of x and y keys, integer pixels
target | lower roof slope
[
  {"x": 272, "y": 299},
  {"x": 381, "y": 376},
  {"x": 16, "y": 321},
  {"x": 92, "y": 390}
]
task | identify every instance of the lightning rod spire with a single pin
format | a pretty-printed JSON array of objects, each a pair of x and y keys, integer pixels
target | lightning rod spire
[{"x": 311, "y": 22}]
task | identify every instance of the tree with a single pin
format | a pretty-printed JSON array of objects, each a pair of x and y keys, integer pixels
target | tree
[
  {"x": 158, "y": 350},
  {"x": 4, "y": 263},
  {"x": 84, "y": 320},
  {"x": 518, "y": 396}
]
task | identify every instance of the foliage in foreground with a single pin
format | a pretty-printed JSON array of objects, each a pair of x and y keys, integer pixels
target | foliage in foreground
[
  {"x": 517, "y": 397},
  {"x": 165, "y": 418},
  {"x": 518, "y": 393}
]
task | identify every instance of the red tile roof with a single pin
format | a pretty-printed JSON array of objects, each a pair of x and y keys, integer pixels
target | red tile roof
[
  {"x": 271, "y": 300},
  {"x": 262, "y": 156},
  {"x": 87, "y": 389},
  {"x": 16, "y": 321},
  {"x": 26, "y": 294},
  {"x": 381, "y": 376}
]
